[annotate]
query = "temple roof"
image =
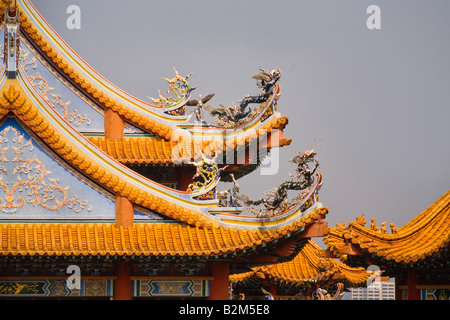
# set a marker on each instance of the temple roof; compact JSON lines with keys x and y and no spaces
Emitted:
{"x":309,"y":266}
{"x":101,"y":161}
{"x":425,"y":236}
{"x":156,"y":239}
{"x":156,"y":150}
{"x":110,"y":174}
{"x":148,"y":116}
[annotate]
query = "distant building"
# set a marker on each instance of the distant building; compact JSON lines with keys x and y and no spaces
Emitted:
{"x":382,"y":290}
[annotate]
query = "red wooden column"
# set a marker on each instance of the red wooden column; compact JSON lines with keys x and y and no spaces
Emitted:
{"x":185,"y":177}
{"x":413,"y":292}
{"x":114,"y":129}
{"x":273,"y":290}
{"x":123,"y":286}
{"x":124,"y":212}
{"x":114,"y":125}
{"x":218,"y":288}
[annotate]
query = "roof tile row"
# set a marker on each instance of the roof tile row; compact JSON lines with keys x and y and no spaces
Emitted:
{"x":309,"y":265}
{"x":423,"y":236}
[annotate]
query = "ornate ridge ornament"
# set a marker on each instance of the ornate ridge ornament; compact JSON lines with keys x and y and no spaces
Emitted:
{"x":209,"y":172}
{"x":233,"y":200}
{"x":180,"y":92}
{"x":12,"y":40}
{"x":236,"y":115}
{"x":266,"y":81}
{"x":322,"y":294}
{"x":276,"y":201}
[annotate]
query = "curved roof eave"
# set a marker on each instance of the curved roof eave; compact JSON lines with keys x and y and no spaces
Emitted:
{"x":20,"y":98}
{"x":308,"y":265}
{"x":133,"y":110}
{"x":422,"y":237}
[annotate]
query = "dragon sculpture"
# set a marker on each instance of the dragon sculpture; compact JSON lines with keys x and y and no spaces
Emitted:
{"x":322,"y":294}
{"x":200,"y":105}
{"x":233,"y":115}
{"x":266,"y":80}
{"x":276,"y":201}
{"x":208,"y":172}
{"x":179,"y":90}
{"x":233,"y":200}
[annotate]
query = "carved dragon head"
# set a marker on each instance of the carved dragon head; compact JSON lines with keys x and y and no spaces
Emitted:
{"x":304,"y":157}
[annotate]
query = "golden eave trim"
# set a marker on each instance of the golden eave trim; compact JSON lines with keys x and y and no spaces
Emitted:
{"x":422,"y":237}
{"x":89,"y":239}
{"x":13,"y":100}
{"x":98,"y":95}
{"x":131,"y":150}
{"x":304,"y":267}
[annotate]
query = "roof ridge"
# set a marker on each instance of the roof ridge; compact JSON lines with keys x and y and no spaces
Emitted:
{"x":13,"y":100}
{"x":423,"y":236}
{"x":108,"y":172}
{"x":430,"y":211}
{"x":86,"y":86}
{"x":424,"y":218}
{"x":87,"y":238}
{"x":151,"y":121}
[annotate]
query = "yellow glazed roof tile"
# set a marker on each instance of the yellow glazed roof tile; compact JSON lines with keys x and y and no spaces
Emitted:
{"x":309,"y":265}
{"x":157,"y":239}
{"x":149,"y":124}
{"x":14,"y":99}
{"x":423,"y":236}
{"x":155,"y":150}
{"x":141,"y":150}
{"x":71,"y":148}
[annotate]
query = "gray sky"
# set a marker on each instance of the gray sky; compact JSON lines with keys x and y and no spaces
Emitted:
{"x":375,"y":104}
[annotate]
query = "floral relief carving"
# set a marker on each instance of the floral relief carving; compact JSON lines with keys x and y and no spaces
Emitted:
{"x":26,"y":179}
{"x":41,"y":85}
{"x":24,"y":57}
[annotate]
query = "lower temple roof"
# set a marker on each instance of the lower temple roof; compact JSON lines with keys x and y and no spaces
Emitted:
{"x":155,"y":150}
{"x":310,"y":265}
{"x":425,"y":236}
{"x":156,"y":239}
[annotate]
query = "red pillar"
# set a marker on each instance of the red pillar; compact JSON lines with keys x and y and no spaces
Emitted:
{"x":114,"y":125}
{"x":123,"y":286}
{"x":114,"y":129}
{"x":124,"y":212}
{"x":413,"y":292}
{"x":218,"y":288}
{"x":185,"y":177}
{"x":273,"y":290}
